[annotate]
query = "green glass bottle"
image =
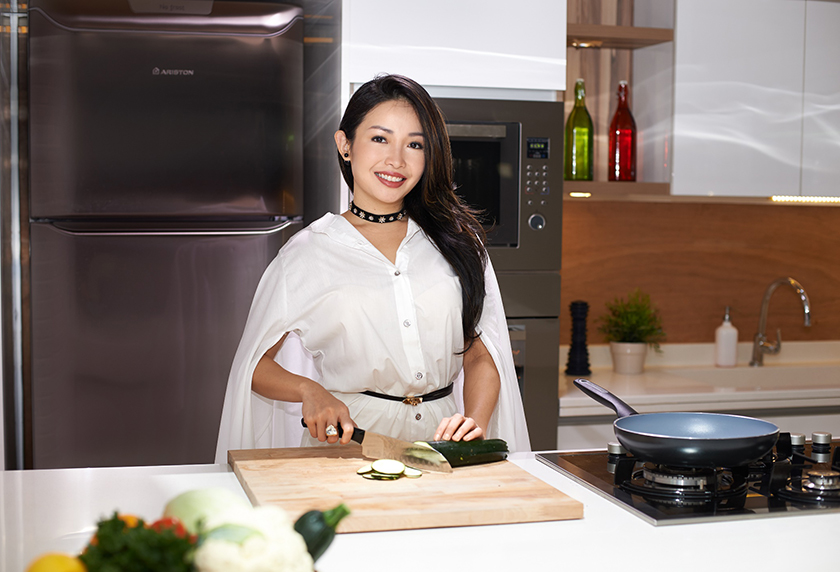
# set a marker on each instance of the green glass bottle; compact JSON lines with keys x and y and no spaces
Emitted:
{"x":579,"y":139}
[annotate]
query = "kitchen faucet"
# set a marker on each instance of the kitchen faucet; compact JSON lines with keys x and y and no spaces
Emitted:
{"x":760,"y":345}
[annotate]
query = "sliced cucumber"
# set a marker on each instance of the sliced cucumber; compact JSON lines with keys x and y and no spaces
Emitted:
{"x":388,"y":470}
{"x":388,"y":467}
{"x":373,"y":475}
{"x":412,"y":473}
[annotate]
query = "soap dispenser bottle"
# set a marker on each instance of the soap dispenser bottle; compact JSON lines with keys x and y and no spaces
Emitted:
{"x":726,"y":343}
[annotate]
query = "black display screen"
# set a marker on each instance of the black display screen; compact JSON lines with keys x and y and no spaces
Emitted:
{"x":537,"y":147}
{"x":477,"y":180}
{"x":485,"y":158}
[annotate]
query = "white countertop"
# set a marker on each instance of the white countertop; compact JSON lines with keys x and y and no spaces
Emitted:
{"x":682,"y":378}
{"x":56,"y":510}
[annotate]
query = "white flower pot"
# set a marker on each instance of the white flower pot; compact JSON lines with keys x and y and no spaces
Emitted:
{"x":628,"y":358}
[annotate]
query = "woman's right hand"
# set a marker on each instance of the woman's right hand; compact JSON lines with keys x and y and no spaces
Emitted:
{"x":321,"y":409}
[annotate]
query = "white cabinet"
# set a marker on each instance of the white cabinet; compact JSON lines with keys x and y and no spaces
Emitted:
{"x":821,"y":106}
{"x":756,"y":98}
{"x":475,"y":44}
{"x":738,"y":97}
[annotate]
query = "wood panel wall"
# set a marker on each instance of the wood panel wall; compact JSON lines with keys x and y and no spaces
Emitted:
{"x":695,"y":259}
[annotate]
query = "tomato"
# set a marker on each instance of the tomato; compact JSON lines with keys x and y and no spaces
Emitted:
{"x":170,"y":522}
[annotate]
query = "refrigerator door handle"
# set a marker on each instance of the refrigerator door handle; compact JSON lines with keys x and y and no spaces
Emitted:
{"x":81,"y":229}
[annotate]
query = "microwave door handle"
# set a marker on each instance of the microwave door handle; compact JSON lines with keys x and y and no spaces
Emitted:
{"x":263,"y":231}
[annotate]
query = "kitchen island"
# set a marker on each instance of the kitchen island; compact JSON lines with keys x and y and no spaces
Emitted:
{"x":55,"y":510}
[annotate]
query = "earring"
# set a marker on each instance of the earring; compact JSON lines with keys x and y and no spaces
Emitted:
{"x":346,"y":155}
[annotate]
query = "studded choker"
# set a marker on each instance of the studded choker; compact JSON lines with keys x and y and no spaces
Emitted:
{"x":363,"y":214}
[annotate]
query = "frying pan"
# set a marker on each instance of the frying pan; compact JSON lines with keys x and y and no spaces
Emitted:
{"x":686,"y":439}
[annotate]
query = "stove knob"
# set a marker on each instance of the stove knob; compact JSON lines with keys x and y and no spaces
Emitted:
{"x":821,"y":438}
{"x":797,"y":439}
{"x":616,"y":455}
{"x":614,"y":448}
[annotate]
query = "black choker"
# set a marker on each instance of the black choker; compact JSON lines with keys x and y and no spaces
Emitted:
{"x":363,"y":214}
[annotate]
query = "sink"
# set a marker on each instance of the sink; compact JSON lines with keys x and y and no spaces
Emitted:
{"x":768,"y":377}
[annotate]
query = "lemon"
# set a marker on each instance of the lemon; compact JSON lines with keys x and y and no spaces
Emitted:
{"x":55,"y":562}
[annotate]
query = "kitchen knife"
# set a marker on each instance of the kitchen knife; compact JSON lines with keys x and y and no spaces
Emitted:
{"x":376,"y":446}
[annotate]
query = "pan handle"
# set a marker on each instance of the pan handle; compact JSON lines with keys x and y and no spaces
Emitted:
{"x":604,"y":397}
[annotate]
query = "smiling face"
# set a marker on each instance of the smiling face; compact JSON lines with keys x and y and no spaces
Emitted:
{"x":386,"y":156}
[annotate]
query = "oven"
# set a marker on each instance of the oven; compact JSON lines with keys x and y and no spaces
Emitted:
{"x":508,"y":162}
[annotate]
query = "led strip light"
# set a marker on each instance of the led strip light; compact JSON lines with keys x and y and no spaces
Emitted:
{"x":801,"y":199}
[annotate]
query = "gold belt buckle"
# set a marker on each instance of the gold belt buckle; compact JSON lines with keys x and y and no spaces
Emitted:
{"x":413,"y":400}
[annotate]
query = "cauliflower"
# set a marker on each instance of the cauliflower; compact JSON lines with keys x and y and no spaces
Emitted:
{"x":248,"y":539}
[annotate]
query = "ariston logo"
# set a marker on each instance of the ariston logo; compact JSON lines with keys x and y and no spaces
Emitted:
{"x":158,"y":71}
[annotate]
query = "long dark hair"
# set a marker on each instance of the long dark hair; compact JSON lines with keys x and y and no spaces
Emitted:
{"x":451,"y":224}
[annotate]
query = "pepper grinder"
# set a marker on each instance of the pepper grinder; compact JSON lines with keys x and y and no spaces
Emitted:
{"x":578,"y":363}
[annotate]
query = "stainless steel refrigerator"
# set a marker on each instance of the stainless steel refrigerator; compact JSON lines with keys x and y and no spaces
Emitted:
{"x":164,"y":172}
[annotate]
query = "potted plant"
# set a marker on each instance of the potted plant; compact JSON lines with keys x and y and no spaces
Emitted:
{"x":631,"y":326}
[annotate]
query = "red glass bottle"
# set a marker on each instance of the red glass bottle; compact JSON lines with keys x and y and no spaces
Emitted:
{"x":622,"y":158}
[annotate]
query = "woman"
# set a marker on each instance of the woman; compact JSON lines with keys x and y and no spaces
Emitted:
{"x":388,"y":316}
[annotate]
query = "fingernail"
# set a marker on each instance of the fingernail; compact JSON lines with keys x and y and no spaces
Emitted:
{"x":446,"y":436}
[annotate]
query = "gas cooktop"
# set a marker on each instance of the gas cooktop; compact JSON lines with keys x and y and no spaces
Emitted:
{"x":796,"y":476}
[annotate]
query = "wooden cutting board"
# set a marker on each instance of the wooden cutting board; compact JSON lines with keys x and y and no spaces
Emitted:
{"x":303,"y":479}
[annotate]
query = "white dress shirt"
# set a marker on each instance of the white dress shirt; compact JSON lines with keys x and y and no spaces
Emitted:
{"x":358,"y":322}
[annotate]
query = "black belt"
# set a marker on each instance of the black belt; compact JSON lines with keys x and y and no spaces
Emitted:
{"x":413,"y":399}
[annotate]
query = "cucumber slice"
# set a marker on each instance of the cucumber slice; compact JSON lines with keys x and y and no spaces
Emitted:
{"x":366,"y":469}
{"x":412,"y":473}
{"x":388,"y":467}
{"x":373,"y":475}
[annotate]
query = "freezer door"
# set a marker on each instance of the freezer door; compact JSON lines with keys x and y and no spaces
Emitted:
{"x":140,"y":114}
{"x":133,"y":337}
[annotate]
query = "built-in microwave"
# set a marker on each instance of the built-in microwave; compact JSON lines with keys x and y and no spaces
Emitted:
{"x":508,"y":161}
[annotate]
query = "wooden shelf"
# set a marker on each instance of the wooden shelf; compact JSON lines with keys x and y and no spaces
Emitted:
{"x":615,"y":37}
{"x":615,"y":189}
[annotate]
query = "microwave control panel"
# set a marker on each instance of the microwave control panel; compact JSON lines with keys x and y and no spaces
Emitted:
{"x":537,"y":186}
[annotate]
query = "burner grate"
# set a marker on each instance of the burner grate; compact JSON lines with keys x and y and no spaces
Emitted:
{"x":721,"y":488}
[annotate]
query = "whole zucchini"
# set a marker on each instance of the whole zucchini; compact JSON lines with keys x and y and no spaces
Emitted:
{"x":462,"y":453}
{"x":318,"y":528}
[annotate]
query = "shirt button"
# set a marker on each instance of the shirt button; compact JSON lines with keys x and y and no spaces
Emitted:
{"x":418,"y":417}
{"x":396,"y":272}
{"x":407,"y":324}
{"x":418,"y":375}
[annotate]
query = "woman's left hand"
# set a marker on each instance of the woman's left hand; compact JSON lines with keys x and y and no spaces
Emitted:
{"x":458,"y":428}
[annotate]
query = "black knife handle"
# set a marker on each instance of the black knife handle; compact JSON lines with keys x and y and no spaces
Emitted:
{"x":358,"y":434}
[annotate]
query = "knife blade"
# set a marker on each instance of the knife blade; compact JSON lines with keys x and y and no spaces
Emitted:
{"x":376,"y":446}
